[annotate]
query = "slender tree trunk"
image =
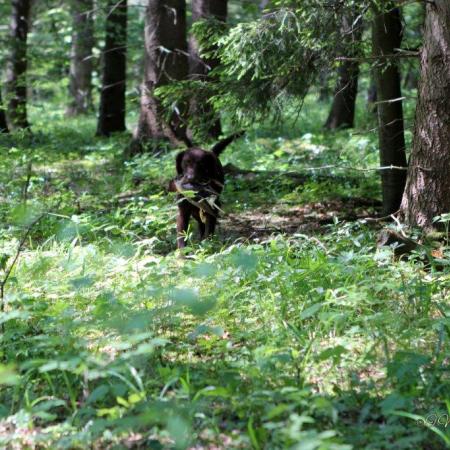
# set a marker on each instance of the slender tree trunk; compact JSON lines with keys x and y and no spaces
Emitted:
{"x":342,"y":113}
{"x":165,"y":61}
{"x":263,"y":4}
{"x":324,"y":89}
{"x":411,"y":79}
{"x":386,"y":38}
{"x":372,"y":96}
{"x":112,"y":99}
{"x":200,"y":67}
{"x":80,"y":77}
{"x":3,"y":125}
{"x":16,"y":73}
{"x":427,"y":193}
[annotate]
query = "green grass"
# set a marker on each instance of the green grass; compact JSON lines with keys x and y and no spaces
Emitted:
{"x":298,"y":338}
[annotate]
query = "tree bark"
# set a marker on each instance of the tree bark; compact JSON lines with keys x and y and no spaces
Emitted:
{"x":411,"y":79}
{"x":324,"y":89}
{"x":112,"y":98}
{"x":165,"y":61}
{"x":16,"y":73}
{"x":263,"y":4}
{"x":342,"y":113}
{"x":80,"y":77}
{"x":427,"y":193}
{"x":386,"y":38}
{"x":200,"y":67}
{"x":3,"y":125}
{"x":372,"y":96}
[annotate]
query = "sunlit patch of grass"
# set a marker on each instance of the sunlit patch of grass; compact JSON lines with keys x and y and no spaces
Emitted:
{"x":293,"y":316}
{"x":110,"y":338}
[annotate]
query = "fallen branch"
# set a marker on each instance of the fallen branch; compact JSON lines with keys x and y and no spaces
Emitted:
{"x":402,"y":244}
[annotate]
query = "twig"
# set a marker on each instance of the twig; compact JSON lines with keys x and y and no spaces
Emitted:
{"x":27,"y":181}
{"x":404,"y":54}
{"x":379,"y":219}
{"x":391,"y":100}
{"x":358,"y":169}
{"x":13,"y":263}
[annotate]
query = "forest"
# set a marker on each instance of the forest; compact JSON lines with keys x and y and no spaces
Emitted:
{"x":224,"y":224}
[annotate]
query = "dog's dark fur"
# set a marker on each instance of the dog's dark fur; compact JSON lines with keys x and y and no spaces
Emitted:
{"x":200,"y":171}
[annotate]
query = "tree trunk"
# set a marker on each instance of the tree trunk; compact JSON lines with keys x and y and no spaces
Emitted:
{"x":411,"y":79}
{"x":112,"y":98}
{"x":342,"y":113}
{"x":427,"y":192}
{"x":200,"y":67}
{"x":386,"y":38}
{"x":263,"y":4}
{"x":324,"y":89}
{"x":3,"y":125}
{"x":165,"y":61}
{"x":16,"y":73}
{"x":372,"y":96}
{"x":80,"y":77}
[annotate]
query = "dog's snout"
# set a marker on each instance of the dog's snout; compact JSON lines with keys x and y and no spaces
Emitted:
{"x":189,"y":179}
{"x":189,"y":176}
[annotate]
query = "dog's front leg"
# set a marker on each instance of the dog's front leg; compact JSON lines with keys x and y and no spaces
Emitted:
{"x":184,"y":214}
{"x":210,"y":225}
{"x":201,"y":225}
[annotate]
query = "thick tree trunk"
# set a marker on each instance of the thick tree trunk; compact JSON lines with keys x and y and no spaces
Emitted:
{"x":342,"y":113}
{"x":165,"y":61}
{"x":386,"y":38}
{"x":112,"y":98}
{"x":16,"y":73}
{"x":80,"y":77}
{"x":3,"y":125}
{"x":200,"y":67}
{"x":427,"y":192}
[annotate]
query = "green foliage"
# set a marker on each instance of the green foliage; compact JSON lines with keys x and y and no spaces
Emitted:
{"x":265,"y":62}
{"x":272,"y":61}
{"x":258,"y":65}
{"x":299,"y":340}
{"x":289,"y":329}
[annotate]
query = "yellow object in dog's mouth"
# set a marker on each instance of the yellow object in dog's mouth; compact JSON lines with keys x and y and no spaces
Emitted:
{"x":206,"y":204}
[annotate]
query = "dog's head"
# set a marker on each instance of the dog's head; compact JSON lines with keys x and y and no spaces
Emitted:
{"x":197,"y":167}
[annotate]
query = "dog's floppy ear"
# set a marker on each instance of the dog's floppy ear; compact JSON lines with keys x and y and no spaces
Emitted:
{"x":221,"y":145}
{"x":171,"y":187}
{"x":178,"y":161}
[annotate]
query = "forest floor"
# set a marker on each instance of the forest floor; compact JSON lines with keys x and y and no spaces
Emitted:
{"x":265,"y":222}
{"x":289,"y":329}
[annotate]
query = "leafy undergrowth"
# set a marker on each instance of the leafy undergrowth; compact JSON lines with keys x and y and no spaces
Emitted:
{"x":290,"y":329}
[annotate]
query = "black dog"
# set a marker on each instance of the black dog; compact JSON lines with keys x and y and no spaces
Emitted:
{"x":199,"y":183}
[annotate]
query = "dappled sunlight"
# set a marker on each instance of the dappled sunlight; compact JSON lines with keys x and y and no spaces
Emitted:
{"x":313,"y":317}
